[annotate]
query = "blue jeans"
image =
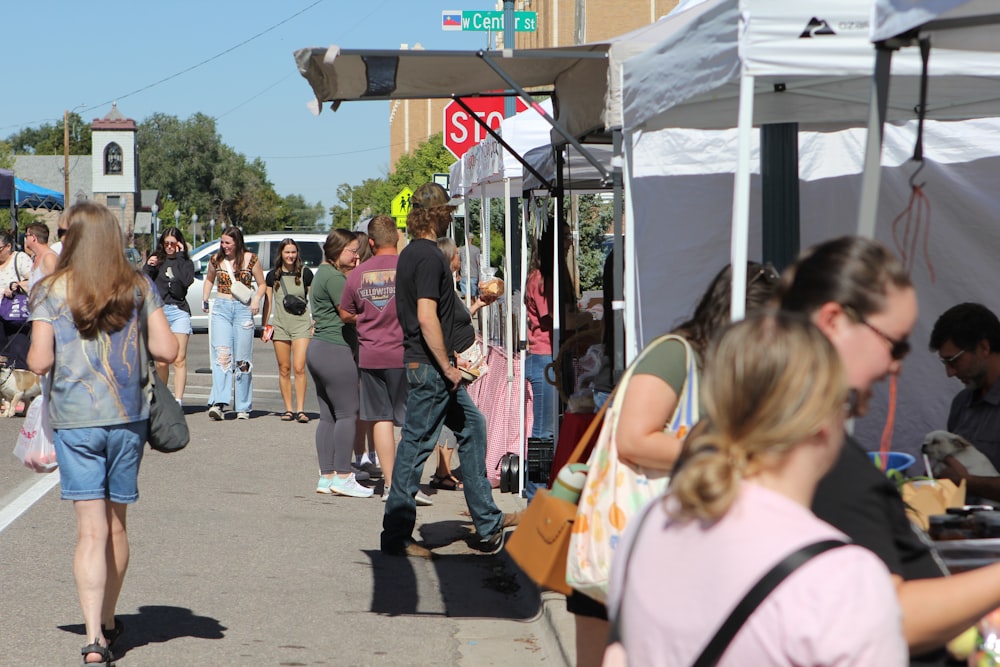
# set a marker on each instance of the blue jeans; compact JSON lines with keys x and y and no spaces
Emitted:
{"x":232,"y":338}
{"x":101,"y":461}
{"x":543,"y":396}
{"x":430,"y":405}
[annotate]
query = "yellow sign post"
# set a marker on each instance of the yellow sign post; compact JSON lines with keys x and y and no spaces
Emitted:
{"x":400,"y":207}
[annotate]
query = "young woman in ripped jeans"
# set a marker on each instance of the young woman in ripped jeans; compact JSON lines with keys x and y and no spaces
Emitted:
{"x":231,"y":323}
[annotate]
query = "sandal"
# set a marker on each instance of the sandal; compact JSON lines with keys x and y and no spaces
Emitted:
{"x":302,"y":418}
{"x":445,"y":483}
{"x":112,"y":634}
{"x":287,"y":416}
{"x":106,"y":657}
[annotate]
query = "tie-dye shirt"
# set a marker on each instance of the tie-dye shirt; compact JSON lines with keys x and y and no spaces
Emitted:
{"x":97,"y":382}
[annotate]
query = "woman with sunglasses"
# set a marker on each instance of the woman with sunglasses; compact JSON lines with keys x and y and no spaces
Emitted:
{"x":172,"y":272}
{"x":860,"y":296}
{"x":774,"y":397}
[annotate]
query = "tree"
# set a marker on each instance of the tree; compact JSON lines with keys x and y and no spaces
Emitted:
{"x":596,"y":218}
{"x":305,"y":217}
{"x":48,"y":139}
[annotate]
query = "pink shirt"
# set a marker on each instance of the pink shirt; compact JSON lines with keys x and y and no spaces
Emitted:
{"x":840,"y":608}
{"x":538,"y":305}
{"x":370,"y":293}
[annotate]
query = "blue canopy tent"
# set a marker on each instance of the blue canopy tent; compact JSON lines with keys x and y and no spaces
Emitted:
{"x":29,"y":195}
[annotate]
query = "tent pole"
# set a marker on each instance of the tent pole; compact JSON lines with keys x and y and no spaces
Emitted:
{"x":741,"y":200}
{"x":618,"y":299}
{"x":633,"y":323}
{"x":872,"y":172}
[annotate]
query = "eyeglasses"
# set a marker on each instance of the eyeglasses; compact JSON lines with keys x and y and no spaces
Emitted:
{"x":897,"y":348}
{"x":353,"y":251}
{"x":851,"y":402}
{"x":950,"y":361}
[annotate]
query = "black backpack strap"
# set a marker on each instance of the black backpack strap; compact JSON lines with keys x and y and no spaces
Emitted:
{"x":720,"y":642}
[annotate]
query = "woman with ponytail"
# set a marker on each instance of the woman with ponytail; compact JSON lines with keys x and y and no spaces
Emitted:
{"x":774,"y":397}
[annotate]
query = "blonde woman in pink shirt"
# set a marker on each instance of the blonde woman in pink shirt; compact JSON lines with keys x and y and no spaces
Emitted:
{"x":774,"y":398}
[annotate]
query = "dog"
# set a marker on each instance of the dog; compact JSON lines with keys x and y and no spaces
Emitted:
{"x":939,"y":445}
{"x":18,"y":385}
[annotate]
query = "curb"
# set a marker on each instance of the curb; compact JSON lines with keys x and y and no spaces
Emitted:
{"x":558,"y":626}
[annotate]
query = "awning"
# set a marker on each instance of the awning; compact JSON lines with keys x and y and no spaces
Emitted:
{"x":30,"y":195}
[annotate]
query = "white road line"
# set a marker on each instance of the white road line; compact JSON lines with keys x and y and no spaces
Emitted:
{"x":23,"y":502}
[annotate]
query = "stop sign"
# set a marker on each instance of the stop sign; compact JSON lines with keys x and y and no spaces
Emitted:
{"x":462,"y":132}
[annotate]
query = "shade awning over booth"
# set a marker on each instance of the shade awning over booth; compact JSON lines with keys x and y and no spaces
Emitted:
{"x":811,"y":62}
{"x":30,"y":195}
{"x":951,"y":24}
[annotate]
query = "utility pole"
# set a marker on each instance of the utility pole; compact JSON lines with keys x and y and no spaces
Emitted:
{"x":508,"y":43}
{"x":66,"y":159}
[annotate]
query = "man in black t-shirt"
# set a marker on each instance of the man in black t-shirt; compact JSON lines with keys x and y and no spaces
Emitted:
{"x":425,"y":306}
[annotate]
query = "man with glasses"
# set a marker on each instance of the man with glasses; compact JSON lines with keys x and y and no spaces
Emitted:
{"x":967,"y":340}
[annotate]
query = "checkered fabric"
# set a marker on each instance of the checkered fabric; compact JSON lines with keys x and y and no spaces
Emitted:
{"x":497,"y":399}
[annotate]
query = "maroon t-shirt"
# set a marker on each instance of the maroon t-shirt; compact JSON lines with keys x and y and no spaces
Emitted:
{"x":370,"y":293}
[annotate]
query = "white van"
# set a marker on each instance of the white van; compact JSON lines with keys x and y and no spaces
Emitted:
{"x":265,"y":246}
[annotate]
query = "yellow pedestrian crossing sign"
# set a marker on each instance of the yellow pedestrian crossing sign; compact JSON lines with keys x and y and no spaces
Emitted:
{"x":400,"y":207}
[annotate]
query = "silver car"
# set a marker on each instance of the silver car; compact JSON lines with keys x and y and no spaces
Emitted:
{"x":265,"y":246}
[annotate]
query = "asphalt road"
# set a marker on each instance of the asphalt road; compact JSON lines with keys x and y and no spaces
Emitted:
{"x":237,"y":561}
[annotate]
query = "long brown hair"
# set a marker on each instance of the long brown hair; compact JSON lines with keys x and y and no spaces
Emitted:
{"x":238,"y":251}
{"x":280,"y":261}
{"x":100,"y":283}
{"x":336,"y":241}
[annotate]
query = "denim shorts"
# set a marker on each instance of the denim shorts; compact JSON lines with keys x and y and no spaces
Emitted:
{"x":179,"y":320}
{"x":101,"y":462}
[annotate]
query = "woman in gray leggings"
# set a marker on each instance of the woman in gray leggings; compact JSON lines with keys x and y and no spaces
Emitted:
{"x":335,"y":375}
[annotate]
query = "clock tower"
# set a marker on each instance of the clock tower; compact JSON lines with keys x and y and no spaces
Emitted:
{"x":115,"y":167}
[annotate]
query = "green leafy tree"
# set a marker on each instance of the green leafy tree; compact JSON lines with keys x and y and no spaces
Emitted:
{"x":596,"y":219}
{"x":48,"y":138}
{"x":305,"y":217}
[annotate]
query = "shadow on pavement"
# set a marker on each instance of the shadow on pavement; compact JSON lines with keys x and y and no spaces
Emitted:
{"x":469,"y":584}
{"x":155,"y":624}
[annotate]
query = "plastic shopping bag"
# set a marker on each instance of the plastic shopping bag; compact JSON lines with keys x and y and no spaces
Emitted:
{"x":36,"y":442}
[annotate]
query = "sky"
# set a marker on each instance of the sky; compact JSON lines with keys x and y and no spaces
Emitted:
{"x":229,"y":59}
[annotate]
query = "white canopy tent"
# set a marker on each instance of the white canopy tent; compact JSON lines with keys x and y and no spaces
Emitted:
{"x":740,"y":63}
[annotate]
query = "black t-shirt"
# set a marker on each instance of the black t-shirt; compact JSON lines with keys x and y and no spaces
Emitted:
{"x":856,"y":498}
{"x":423,"y":273}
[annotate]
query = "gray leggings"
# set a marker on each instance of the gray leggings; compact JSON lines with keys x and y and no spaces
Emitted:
{"x":336,"y":380}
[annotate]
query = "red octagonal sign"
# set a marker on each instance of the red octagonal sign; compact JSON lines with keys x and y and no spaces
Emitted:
{"x":462,"y":132}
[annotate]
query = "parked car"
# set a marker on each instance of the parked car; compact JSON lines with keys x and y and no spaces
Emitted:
{"x":266,"y":247}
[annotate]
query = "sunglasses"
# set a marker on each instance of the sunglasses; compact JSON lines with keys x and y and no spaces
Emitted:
{"x":898,"y":349}
{"x":171,"y":244}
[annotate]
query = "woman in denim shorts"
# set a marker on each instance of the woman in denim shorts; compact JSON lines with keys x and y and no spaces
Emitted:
{"x":88,"y":338}
{"x":172,"y":272}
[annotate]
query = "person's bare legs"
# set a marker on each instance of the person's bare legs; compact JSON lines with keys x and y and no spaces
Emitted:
{"x":444,"y":462}
{"x":180,"y":366}
{"x":90,"y":565}
{"x":283,"y":354}
{"x":117,"y":560}
{"x":299,"y":346}
{"x":384,"y":436}
{"x":360,"y":436}
{"x":591,"y":636}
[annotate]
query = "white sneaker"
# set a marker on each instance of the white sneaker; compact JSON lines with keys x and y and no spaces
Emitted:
{"x":385,"y":494}
{"x":348,"y":486}
{"x":243,"y":415}
{"x":423,"y":500}
{"x":180,"y":402}
{"x":215,"y":413}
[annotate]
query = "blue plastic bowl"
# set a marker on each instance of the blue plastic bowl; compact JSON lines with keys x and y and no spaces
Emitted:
{"x":897,"y":460}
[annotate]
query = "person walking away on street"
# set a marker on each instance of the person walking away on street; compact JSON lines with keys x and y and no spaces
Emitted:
{"x":172,"y":271}
{"x":86,"y":320}
{"x":231,"y":323}
{"x":647,"y":405}
{"x":289,"y":282}
{"x":43,"y":259}
{"x":774,"y":401}
{"x":425,"y":304}
{"x":333,"y":369}
{"x":369,"y":301}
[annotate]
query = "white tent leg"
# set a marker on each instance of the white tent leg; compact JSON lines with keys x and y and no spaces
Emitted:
{"x":741,"y":200}
{"x":872,"y":170}
{"x":633,"y":324}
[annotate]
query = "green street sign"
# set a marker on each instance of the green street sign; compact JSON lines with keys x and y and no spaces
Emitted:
{"x":483,"y":21}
